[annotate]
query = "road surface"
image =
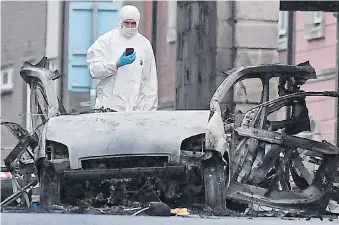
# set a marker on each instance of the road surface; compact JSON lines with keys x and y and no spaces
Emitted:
{"x":81,"y":219}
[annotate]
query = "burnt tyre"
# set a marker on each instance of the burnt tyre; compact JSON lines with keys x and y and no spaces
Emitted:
{"x":215,"y":183}
{"x":49,"y":181}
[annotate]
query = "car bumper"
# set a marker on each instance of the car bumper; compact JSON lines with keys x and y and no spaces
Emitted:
{"x":170,"y":172}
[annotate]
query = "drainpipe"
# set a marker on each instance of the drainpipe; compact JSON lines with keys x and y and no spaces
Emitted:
{"x":93,"y":82}
{"x":290,"y":51}
{"x":61,"y":52}
{"x":154,"y":26}
{"x":337,"y":82}
{"x":230,"y":97}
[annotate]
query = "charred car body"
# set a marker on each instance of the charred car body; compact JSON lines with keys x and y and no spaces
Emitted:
{"x":266,"y":155}
{"x":177,"y":156}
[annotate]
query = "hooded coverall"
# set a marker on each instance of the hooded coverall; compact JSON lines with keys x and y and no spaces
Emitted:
{"x":130,"y":87}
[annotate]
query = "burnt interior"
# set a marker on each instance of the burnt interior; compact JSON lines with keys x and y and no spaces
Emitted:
{"x":195,"y":143}
{"x":132,"y":161}
{"x":269,"y":165}
{"x":56,"y":150}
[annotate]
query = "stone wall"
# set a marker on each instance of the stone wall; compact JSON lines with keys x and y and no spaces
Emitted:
{"x":256,"y":42}
{"x":196,"y":53}
{"x":217,"y":36}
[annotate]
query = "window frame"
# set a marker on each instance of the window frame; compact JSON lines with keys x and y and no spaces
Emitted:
{"x":8,"y":87}
{"x":282,"y":33}
{"x":314,"y":25}
{"x":283,"y":20}
{"x":319,"y":18}
{"x":171,"y":21}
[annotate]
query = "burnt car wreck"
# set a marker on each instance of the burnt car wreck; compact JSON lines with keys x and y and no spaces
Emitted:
{"x":178,"y":157}
{"x":265,"y":155}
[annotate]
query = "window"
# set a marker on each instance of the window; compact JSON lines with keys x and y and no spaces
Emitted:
{"x":283,"y":18}
{"x":171,"y":21}
{"x":317,"y":17}
{"x":6,"y":79}
{"x":314,"y":25}
{"x":247,"y":93}
{"x":282,"y":24}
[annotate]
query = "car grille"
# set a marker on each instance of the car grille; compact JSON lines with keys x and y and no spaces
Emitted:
{"x":124,"y":162}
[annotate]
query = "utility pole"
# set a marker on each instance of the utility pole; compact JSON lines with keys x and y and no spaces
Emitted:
{"x":154,"y":26}
{"x":290,"y":51}
{"x":337,"y":80}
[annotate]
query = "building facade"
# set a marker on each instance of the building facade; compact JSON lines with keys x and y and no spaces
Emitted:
{"x":315,"y":39}
{"x":44,"y":30}
{"x":23,"y":38}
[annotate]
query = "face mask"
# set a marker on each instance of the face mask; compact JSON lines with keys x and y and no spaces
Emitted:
{"x":128,"y":32}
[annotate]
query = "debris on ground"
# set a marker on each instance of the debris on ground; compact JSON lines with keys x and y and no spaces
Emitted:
{"x":180,"y":211}
{"x":333,"y":207}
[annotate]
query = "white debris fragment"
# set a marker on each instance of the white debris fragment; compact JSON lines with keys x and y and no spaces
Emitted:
{"x":215,"y":133}
{"x":332,"y":207}
{"x":259,"y":208}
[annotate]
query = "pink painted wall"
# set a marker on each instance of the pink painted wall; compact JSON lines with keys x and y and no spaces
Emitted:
{"x":322,"y":55}
{"x":322,"y":108}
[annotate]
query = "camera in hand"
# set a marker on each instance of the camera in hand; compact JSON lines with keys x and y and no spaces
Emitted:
{"x":129,"y":51}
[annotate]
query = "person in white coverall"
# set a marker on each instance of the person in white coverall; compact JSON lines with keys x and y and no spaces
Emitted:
{"x":127,"y":83}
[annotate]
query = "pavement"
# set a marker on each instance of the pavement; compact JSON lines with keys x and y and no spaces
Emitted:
{"x":82,"y":219}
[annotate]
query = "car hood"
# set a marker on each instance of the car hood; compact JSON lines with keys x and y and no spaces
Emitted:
{"x":118,"y":133}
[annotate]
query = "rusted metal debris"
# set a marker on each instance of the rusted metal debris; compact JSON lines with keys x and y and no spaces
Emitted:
{"x":103,"y":159}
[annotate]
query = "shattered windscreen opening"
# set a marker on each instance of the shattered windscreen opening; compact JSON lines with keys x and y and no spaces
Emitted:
{"x":247,"y":93}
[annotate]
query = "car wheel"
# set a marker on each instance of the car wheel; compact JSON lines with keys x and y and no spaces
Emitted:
{"x":215,"y":182}
{"x":49,"y":185}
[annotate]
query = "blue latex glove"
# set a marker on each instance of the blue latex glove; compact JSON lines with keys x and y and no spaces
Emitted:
{"x":124,"y":60}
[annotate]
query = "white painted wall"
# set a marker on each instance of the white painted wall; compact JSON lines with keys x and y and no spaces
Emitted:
{"x":52,"y":51}
{"x":53,"y":28}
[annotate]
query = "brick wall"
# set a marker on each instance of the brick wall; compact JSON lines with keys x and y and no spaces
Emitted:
{"x":23,"y":34}
{"x":165,"y":52}
{"x":165,"y":55}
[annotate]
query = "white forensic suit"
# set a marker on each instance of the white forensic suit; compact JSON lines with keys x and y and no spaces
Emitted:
{"x":132,"y":87}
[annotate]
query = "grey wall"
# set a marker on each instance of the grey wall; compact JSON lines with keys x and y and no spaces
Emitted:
{"x":256,"y":42}
{"x":196,"y":53}
{"x":23,"y":34}
{"x":216,"y":36}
